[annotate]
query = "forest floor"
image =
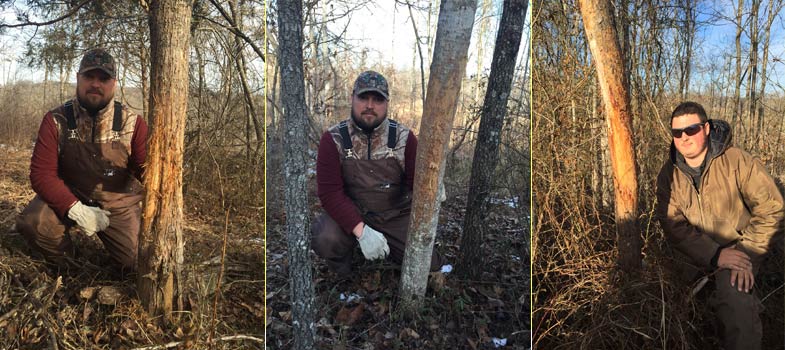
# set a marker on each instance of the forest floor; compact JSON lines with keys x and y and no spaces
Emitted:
{"x":584,"y":300}
{"x":360,"y":313}
{"x":92,"y":306}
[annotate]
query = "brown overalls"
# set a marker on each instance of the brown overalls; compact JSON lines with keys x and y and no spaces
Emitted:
{"x":96,"y":171}
{"x":376,"y":187}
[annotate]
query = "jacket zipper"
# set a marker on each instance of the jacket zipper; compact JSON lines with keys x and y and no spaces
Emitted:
{"x":700,"y":186}
{"x":697,"y":190}
{"x":93,"y":131}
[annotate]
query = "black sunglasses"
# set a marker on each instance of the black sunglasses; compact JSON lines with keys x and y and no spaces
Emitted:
{"x":689,"y":130}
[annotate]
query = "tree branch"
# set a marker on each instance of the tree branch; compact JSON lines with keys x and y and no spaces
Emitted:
{"x":233,"y":28}
{"x":70,"y":13}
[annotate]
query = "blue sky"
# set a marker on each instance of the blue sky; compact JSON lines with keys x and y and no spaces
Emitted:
{"x":716,"y":40}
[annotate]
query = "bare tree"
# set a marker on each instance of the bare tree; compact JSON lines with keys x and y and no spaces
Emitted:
{"x":296,"y":192}
{"x":453,"y":32}
{"x":486,"y":153}
{"x":161,"y":242}
{"x":601,"y":33}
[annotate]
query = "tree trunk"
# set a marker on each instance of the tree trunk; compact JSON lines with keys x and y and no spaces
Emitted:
{"x":161,"y":242}
{"x":775,"y":6}
{"x":486,"y":153}
{"x":752,"y":82}
{"x":448,"y":67}
{"x":144,"y":65}
{"x":600,"y":31}
{"x":296,"y":194}
{"x":736,"y":119}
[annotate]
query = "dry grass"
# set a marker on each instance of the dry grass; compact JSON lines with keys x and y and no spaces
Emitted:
{"x":583,"y":301}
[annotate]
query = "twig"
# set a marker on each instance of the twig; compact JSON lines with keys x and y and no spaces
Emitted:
{"x":772,"y":292}
{"x":58,"y":19}
{"x":226,"y":338}
{"x":220,"y":277}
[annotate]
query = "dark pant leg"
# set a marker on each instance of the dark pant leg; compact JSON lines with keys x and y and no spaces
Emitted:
{"x":396,"y":231}
{"x":333,"y":244}
{"x":121,"y":238}
{"x":738,"y":314}
{"x":44,"y":231}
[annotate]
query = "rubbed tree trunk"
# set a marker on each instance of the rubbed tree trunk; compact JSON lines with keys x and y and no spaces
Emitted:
{"x":161,"y":240}
{"x":598,"y":23}
{"x":454,"y":29}
{"x":486,"y":153}
{"x":296,"y":195}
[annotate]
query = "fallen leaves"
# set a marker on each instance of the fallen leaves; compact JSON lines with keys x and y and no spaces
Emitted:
{"x":349,"y":315}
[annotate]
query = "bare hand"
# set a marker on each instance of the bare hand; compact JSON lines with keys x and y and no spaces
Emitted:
{"x":742,"y":280}
{"x":733,"y":259}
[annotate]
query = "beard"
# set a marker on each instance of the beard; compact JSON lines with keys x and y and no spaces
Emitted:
{"x":367,"y":126}
{"x":94,"y":103}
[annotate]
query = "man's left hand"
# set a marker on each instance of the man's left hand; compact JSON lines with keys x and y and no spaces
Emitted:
{"x":742,"y":279}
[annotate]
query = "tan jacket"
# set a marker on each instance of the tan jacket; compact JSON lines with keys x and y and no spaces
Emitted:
{"x":736,"y":201}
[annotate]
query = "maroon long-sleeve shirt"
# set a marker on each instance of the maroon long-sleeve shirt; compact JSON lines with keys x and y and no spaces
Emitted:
{"x":329,"y":181}
{"x":44,"y":176}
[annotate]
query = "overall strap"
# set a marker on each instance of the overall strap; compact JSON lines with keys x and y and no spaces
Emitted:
{"x":70,"y":119}
{"x":346,"y":140}
{"x":117,"y":121}
{"x":392,"y":137}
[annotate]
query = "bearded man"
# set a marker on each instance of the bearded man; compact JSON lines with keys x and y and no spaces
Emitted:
{"x":364,"y":175}
{"x":86,"y":170}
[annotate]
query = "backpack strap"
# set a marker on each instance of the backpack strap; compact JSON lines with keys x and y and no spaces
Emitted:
{"x":346,"y":140}
{"x":70,"y":119}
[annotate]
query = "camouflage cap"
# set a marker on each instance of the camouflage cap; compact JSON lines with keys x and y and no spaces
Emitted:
{"x":371,"y":81}
{"x":98,"y":59}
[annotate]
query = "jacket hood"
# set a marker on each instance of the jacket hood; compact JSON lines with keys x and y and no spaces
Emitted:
{"x":720,"y":138}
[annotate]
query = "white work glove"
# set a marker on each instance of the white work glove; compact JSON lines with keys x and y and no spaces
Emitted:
{"x":90,"y":219}
{"x":373,"y":244}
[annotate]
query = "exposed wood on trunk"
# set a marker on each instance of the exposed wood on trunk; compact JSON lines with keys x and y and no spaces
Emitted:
{"x":454,"y":28}
{"x":161,"y":241}
{"x":601,"y":33}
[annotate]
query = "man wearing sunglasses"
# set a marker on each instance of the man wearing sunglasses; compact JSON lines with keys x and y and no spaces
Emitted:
{"x":719,"y":206}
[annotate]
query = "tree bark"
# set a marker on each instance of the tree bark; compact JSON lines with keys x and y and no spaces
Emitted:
{"x":161,"y":242}
{"x":448,"y":67}
{"x":296,"y":194}
{"x":736,"y":119}
{"x":601,"y":33}
{"x":775,"y":6}
{"x":752,"y":82}
{"x":486,"y":152}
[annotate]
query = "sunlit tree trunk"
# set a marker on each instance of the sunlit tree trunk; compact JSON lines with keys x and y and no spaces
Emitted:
{"x":598,"y":22}
{"x":736,"y":120}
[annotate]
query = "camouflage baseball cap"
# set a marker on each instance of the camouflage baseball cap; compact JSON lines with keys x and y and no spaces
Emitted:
{"x":98,"y":59}
{"x":371,"y":81}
